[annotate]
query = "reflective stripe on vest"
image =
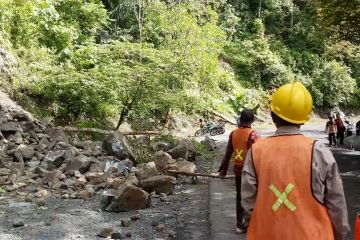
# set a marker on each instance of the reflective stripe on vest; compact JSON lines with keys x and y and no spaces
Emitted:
{"x":282,"y":197}
{"x":285,"y":207}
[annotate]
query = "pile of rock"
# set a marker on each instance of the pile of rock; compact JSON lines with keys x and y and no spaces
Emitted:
{"x":36,"y":161}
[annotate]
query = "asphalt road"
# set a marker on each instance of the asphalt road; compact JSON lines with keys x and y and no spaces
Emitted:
{"x":222,"y":192}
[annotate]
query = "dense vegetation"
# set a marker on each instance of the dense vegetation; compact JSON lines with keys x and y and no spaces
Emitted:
{"x":140,"y":60}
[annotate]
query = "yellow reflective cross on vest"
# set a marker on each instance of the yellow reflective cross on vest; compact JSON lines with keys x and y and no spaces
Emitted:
{"x":238,"y":156}
{"x":282,"y":197}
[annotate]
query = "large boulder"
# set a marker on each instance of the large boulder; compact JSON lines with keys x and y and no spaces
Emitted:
{"x":162,"y":160}
{"x":127,"y":198}
{"x":117,"y":145}
{"x":185,"y":149}
{"x":159,"y":184}
{"x":352,"y":142}
{"x":183,"y":166}
{"x":209,"y":144}
{"x":144,"y":171}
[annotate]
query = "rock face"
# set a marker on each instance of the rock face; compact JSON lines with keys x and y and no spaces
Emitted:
{"x":127,"y":198}
{"x":117,"y":145}
{"x":159,"y":184}
{"x":352,"y":142}
{"x":162,"y":160}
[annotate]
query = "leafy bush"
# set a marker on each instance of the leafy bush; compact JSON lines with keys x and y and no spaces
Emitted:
{"x":335,"y":85}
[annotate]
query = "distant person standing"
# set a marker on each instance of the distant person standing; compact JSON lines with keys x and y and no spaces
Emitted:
{"x":340,"y":128}
{"x":331,"y":130}
{"x":358,"y":128}
{"x":240,"y":140}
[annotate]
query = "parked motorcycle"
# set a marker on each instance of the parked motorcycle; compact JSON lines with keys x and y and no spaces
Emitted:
{"x":218,"y":130}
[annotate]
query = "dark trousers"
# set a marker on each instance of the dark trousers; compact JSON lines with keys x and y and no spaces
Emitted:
{"x":332,"y":139}
{"x":239,"y":211}
{"x":340,"y":136}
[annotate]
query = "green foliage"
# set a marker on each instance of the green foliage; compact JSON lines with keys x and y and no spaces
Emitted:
{"x":340,"y":18}
{"x":203,"y":151}
{"x":247,"y":98}
{"x":257,"y":65}
{"x":334,"y":84}
{"x":139,"y":60}
{"x":55,"y":24}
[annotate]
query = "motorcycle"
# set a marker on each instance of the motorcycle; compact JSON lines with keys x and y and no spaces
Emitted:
{"x":218,"y":130}
{"x":349,"y":129}
{"x":212,"y":129}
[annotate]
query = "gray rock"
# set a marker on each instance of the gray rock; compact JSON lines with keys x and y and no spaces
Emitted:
{"x":117,"y":167}
{"x":57,"y":135}
{"x":144,"y":171}
{"x":43,"y":144}
{"x":18,"y":224}
{"x":160,"y":146}
{"x":26,"y":151}
{"x":95,"y":178}
{"x":80,"y":163}
{"x":125,"y":223}
{"x":352,"y":142}
{"x":129,"y":197}
{"x":162,"y":160}
{"x":10,"y":127}
{"x":117,"y":145}
{"x":4,"y":171}
{"x":180,"y":151}
{"x":191,"y":148}
{"x":117,"y":235}
{"x":106,"y":232}
{"x":183,"y":165}
{"x":55,"y":158}
{"x":209,"y":144}
{"x":159,"y":184}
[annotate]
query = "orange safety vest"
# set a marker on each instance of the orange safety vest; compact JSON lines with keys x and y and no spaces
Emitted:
{"x":285,"y":207}
{"x":240,"y":138}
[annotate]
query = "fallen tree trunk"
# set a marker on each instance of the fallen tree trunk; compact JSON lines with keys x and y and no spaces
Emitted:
{"x":212,"y":175}
{"x":107,"y":132}
{"x":226,"y":119}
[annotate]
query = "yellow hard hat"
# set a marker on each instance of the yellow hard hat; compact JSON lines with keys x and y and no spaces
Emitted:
{"x":292,"y":102}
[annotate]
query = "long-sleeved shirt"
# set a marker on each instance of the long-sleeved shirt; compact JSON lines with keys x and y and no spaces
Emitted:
{"x":326,"y":185}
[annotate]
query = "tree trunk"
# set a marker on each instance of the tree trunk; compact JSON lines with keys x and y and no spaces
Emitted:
{"x":292,"y":15}
{"x":123,"y":114}
{"x":260,"y":3}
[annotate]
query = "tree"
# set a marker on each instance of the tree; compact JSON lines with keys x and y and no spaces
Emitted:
{"x":335,"y":84}
{"x":341,"y":18}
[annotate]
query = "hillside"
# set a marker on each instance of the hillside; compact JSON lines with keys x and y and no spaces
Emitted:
{"x":103,"y":63}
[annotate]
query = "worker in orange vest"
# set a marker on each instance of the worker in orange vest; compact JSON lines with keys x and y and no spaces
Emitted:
{"x":240,"y":140}
{"x":291,"y":187}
